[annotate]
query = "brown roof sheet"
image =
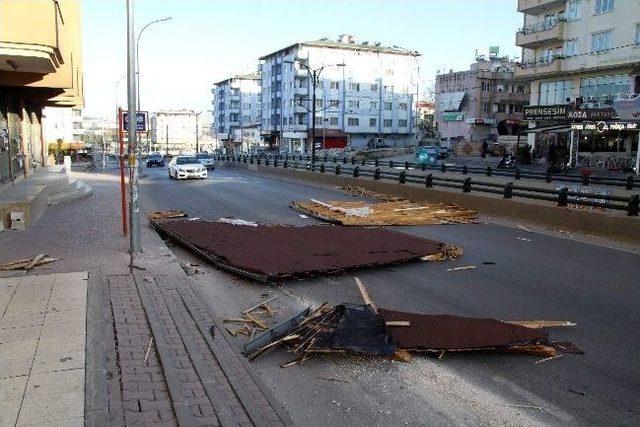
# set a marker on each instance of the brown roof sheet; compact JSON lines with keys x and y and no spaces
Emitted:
{"x":270,"y":252}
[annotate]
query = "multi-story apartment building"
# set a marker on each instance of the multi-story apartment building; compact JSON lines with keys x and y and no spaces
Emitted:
{"x":580,"y":55}
{"x":365,"y":95}
{"x":174,"y":131}
{"x":236,"y":111}
{"x":484,"y":103}
{"x":40,"y":65}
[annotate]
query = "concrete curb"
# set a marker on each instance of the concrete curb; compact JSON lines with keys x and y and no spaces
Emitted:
{"x":611,"y":226}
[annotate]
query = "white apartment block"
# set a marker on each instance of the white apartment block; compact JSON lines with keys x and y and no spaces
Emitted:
{"x":63,"y":123}
{"x":174,"y":131}
{"x":584,"y":50}
{"x":366,"y":94}
{"x":236,"y":111}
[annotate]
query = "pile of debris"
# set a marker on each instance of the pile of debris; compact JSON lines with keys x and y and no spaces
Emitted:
{"x":386,"y":213}
{"x":252,"y":319}
{"x":172,"y":213}
{"x":27,"y":263}
{"x":365,"y":329}
{"x":268,"y":253}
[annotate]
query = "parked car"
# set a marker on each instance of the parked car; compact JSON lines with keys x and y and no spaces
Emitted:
{"x":207,"y":160}
{"x":428,"y":155}
{"x":184,"y":167}
{"x":155,"y":160}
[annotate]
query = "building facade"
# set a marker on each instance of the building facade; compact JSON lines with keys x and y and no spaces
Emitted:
{"x":174,"y":131}
{"x":236,"y":112}
{"x":40,"y":65}
{"x":484,"y":103}
{"x":583,"y":55}
{"x":365,"y":95}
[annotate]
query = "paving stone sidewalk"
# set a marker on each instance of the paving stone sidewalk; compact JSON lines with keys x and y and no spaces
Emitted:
{"x":154,"y":355}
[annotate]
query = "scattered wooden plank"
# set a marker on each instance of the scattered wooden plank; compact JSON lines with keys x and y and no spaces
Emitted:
{"x":402,"y":356}
{"x":258,"y":305}
{"x":34,"y":261}
{"x":466,"y":267}
{"x":533,"y":350}
{"x":398,"y":323}
{"x":365,"y":294}
{"x":258,"y":322}
{"x":237,"y":321}
{"x":546,"y":359}
{"x":540,"y":324}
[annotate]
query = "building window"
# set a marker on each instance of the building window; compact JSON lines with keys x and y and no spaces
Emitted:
{"x":403,"y":106}
{"x":520,"y":88}
{"x":353,"y":121}
{"x":602,"y":41}
{"x":388,"y":106}
{"x":486,"y":107}
{"x":373,"y":105}
{"x":604,"y":89}
{"x":246,"y":105}
{"x":374,"y":88}
{"x":572,"y":12}
{"x":552,"y":93}
{"x":387,"y":123}
{"x":571,"y":47}
{"x":388,"y":72}
{"x":486,"y":86}
{"x":318,"y":120}
{"x":604,"y":6}
{"x":246,"y":119}
{"x":354,"y":87}
{"x":333,"y":121}
{"x":334,"y":103}
{"x":334,"y":85}
{"x":354,"y":104}
{"x":518,"y":108}
{"x":638,"y":35}
{"x":388,"y":88}
{"x":319,"y":103}
{"x":402,"y":123}
{"x":373,"y":122}
{"x":501,"y":108}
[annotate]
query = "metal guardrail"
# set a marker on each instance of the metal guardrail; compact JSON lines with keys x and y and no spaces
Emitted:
{"x":562,"y":196}
{"x":628,"y":182}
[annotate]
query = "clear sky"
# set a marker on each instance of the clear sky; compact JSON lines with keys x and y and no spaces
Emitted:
{"x":208,"y":40}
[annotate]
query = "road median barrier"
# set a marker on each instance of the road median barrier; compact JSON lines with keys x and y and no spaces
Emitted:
{"x":603,"y":215}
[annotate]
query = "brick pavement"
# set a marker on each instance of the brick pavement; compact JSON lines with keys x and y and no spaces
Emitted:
{"x":189,"y":377}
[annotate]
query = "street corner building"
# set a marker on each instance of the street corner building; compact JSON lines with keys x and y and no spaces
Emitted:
{"x":40,"y":65}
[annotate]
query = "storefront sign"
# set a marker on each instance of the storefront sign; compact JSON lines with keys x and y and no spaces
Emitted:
{"x":545,"y":112}
{"x":452,"y":116}
{"x":628,"y":109}
{"x":593,"y":114}
{"x":605,"y":126}
{"x":481,"y":121}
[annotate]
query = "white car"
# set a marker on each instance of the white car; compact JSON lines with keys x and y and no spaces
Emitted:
{"x":207,"y":160}
{"x":184,"y":167}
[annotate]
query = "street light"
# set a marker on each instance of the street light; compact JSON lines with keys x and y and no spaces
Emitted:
{"x":155,"y":21}
{"x":315,"y":75}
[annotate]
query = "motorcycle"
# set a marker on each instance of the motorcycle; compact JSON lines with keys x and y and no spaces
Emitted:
{"x":507,"y":161}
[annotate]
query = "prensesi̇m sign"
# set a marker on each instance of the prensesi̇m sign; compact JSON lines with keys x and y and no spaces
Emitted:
{"x":545,"y":112}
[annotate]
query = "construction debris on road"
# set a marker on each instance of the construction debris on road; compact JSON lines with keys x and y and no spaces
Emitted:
{"x":365,"y":329}
{"x":267,"y":253}
{"x":173,"y":213}
{"x":384,"y":213}
{"x":27,"y":263}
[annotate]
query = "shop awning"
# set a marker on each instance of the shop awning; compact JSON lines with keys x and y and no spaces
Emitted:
{"x":450,"y":101}
{"x":330,"y":133}
{"x":553,"y":128}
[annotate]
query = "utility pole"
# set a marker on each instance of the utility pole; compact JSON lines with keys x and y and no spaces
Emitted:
{"x":167,"y":139}
{"x":134,"y":207}
{"x":197,"y":140}
{"x":313,"y":118}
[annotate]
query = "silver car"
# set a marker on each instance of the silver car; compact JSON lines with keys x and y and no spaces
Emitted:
{"x":207,"y":160}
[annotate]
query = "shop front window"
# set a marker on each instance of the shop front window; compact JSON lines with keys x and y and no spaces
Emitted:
{"x":601,"y":91}
{"x":609,"y":142}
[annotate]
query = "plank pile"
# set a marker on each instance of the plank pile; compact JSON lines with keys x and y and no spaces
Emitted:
{"x":172,"y":213}
{"x":385,"y":213}
{"x":27,"y":263}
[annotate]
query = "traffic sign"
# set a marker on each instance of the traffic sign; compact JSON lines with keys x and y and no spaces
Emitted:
{"x":141,"y":120}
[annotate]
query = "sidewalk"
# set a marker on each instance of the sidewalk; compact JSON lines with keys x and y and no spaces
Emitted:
{"x":154,"y":355}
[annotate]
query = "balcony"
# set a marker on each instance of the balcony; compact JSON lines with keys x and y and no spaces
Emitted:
{"x":535,"y":7}
{"x":299,"y":109}
{"x":30,"y":42}
{"x":534,"y":70}
{"x":540,"y":35}
{"x":302,"y":91}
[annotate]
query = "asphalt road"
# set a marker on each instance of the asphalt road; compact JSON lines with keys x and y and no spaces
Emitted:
{"x":535,"y":276}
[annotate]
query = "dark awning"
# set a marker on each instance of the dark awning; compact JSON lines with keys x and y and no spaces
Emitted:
{"x":552,"y":128}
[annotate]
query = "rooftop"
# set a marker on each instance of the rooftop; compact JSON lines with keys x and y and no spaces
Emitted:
{"x":249,"y":76}
{"x":349,"y":43}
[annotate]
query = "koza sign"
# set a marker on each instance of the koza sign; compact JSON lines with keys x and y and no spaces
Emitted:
{"x":141,"y":120}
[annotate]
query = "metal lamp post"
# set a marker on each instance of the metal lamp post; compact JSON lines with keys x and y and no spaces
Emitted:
{"x":315,"y":75}
{"x":135,"y":245}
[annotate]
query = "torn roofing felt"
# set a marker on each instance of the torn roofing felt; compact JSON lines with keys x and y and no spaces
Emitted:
{"x":271,"y":252}
{"x":445,"y":332}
